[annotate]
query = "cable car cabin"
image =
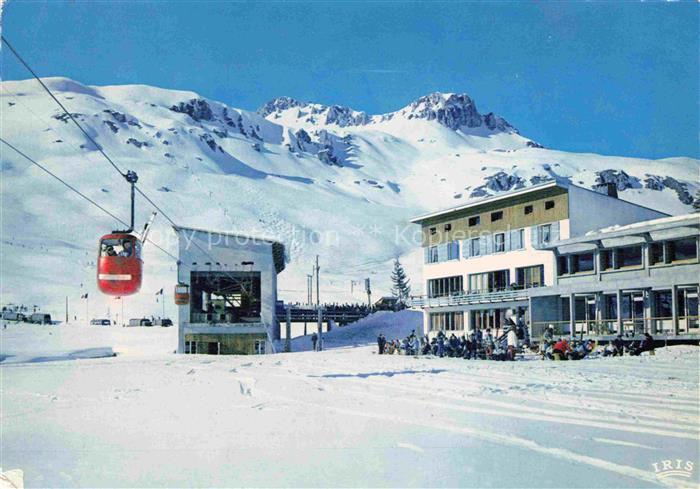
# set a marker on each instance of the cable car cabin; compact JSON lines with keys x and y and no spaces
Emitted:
{"x":182,"y":294}
{"x":119,"y":265}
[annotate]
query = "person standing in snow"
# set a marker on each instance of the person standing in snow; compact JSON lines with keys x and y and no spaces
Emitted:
{"x":416,"y":345}
{"x":380,"y":344}
{"x":441,"y":344}
{"x":512,"y":335}
{"x":314,"y":339}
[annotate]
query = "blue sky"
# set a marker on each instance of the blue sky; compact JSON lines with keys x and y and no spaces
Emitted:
{"x":617,"y":79}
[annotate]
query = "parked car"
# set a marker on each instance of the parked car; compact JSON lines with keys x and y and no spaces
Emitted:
{"x":13,"y":316}
{"x":140,"y":322}
{"x":101,"y":322}
{"x":164,"y":322}
{"x":40,"y":318}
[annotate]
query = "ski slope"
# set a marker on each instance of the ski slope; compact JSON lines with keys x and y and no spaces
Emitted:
{"x":323,"y":180}
{"x":339,"y":418}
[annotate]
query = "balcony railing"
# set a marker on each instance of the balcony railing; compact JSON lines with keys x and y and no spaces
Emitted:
{"x":687,"y":325}
{"x":467,"y":298}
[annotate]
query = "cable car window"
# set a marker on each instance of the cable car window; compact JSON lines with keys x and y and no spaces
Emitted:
{"x":118,"y":247}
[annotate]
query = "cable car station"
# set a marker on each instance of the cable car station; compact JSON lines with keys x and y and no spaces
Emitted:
{"x":226,"y":292}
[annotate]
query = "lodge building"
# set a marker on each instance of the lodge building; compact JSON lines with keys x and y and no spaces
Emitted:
{"x":634,"y":279}
{"x":486,"y":256}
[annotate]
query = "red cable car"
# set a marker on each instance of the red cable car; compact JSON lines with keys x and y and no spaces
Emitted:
{"x":182,"y":294}
{"x":119,"y":264}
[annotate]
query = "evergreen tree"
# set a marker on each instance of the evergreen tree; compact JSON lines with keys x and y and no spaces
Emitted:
{"x":401,"y":287}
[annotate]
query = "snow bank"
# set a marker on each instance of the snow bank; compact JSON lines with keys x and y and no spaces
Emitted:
{"x":365,"y":331}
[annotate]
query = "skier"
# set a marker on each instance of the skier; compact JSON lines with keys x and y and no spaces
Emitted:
{"x":512,"y":335}
{"x":547,"y":339}
{"x":314,"y":339}
{"x":441,"y":344}
{"x":416,"y":345}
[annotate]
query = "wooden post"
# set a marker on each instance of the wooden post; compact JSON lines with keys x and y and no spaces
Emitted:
{"x":572,"y":316}
{"x":674,"y":309}
{"x":320,"y":329}
{"x":288,"y":331}
{"x":619,"y":311}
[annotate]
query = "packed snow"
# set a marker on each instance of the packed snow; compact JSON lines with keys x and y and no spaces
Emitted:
{"x":324,"y":180}
{"x":342,"y":417}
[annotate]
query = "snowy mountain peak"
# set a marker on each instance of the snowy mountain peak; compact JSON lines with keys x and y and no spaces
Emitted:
{"x":452,"y":110}
{"x":315,"y":114}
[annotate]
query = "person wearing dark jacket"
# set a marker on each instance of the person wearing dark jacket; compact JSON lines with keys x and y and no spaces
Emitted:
{"x":381,"y":342}
{"x":619,"y":345}
{"x":441,"y":344}
{"x":314,"y":339}
{"x":647,"y":344}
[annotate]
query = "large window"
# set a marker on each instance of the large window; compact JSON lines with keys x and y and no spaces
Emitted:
{"x":439,"y":287}
{"x":682,"y":249}
{"x":225,"y":297}
{"x":499,"y":242}
{"x":527,"y":277}
{"x":453,"y":250}
{"x":475,"y":247}
{"x":582,"y":262}
{"x":664,"y":304}
{"x":447,"y":321}
{"x":629,"y":256}
{"x":489,"y":281}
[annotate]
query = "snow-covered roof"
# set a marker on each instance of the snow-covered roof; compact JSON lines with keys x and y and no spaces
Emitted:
{"x":278,"y":252}
{"x":689,"y":221}
{"x":488,"y":200}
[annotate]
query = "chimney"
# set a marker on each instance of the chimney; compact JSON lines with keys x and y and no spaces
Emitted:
{"x":607,"y":188}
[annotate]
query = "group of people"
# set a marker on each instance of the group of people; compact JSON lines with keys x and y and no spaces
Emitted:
{"x":478,"y":344}
{"x":563,"y":349}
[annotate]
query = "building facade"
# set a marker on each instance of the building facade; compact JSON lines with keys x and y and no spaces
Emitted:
{"x":625,"y":279}
{"x":485,"y":257}
{"x":232,"y":283}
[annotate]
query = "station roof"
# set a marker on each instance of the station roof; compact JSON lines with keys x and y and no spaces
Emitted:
{"x":655,"y":229}
{"x":278,"y":252}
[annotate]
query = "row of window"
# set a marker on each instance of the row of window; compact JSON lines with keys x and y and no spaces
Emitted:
{"x":663,"y":252}
{"x":447,"y":321}
{"x":214,"y":347}
{"x":495,"y":216}
{"x":488,"y":244}
{"x":493,"y":281}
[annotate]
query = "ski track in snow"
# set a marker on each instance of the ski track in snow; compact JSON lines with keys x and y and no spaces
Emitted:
{"x":342,"y":417}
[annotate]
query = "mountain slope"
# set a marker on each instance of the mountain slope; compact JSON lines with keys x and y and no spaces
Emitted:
{"x":322,"y":179}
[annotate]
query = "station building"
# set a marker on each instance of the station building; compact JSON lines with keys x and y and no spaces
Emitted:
{"x":486,"y":256}
{"x":232,"y":282}
{"x":634,"y":279}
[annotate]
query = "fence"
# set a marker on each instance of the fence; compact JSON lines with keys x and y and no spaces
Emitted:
{"x":637,"y":326}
